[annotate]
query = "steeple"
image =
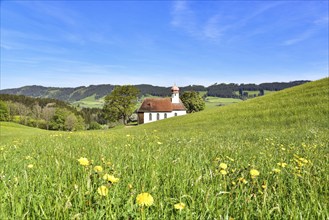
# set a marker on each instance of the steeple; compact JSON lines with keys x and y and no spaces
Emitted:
{"x":175,"y":94}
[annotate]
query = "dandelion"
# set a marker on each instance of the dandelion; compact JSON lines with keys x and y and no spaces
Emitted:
{"x":223,"y":166}
{"x":84,"y":161}
{"x":264,"y":185}
{"x":144,"y":199}
{"x":180,"y":206}
{"x":223,"y":172}
{"x":130,"y":186}
{"x":275,"y":170}
{"x":282,"y":164}
{"x":110,"y":178}
{"x":30,"y":166}
{"x":98,"y":169}
{"x":254,"y":173}
{"x":103,"y":190}
{"x":243,"y":180}
{"x":159,"y":142}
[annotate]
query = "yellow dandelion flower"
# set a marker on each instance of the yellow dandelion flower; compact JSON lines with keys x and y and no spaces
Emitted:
{"x":223,"y":166}
{"x":103,"y":190}
{"x":254,"y":173}
{"x":159,"y":143}
{"x":144,"y":199}
{"x":243,"y":180}
{"x":30,"y":166}
{"x":84,"y":161}
{"x":130,"y":186}
{"x":180,"y":206}
{"x":110,"y":178}
{"x":264,"y":186}
{"x":223,"y":172}
{"x":109,"y":164}
{"x":281,"y":164}
{"x":276,"y":170}
{"x":98,"y":169}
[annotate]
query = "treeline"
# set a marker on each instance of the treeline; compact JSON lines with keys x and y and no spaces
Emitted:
{"x":230,"y":90}
{"x":50,"y":114}
{"x":224,"y":90}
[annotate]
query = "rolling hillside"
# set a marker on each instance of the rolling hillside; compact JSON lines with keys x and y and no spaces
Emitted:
{"x":265,"y":158}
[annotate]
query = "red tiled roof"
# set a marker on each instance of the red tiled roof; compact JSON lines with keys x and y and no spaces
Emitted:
{"x":160,"y":105}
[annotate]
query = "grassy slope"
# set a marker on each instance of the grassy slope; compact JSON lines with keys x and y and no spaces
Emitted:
{"x":178,"y":160}
{"x":299,"y":108}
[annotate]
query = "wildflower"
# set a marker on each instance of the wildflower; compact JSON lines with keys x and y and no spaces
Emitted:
{"x":84,"y":161}
{"x":30,"y":166}
{"x":243,"y":180}
{"x":275,"y":170}
{"x":223,"y":166}
{"x":282,"y":164}
{"x":130,"y":186}
{"x":109,"y":164}
{"x":180,"y":206}
{"x":223,"y":172}
{"x":254,"y":173}
{"x":128,"y":135}
{"x":103,"y":190}
{"x":144,"y":199}
{"x":264,"y":185}
{"x":159,"y":142}
{"x":110,"y":178}
{"x":98,"y":169}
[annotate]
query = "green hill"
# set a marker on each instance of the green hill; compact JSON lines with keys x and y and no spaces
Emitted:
{"x":265,"y":158}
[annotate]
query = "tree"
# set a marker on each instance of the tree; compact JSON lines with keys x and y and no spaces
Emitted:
{"x":192,"y":101}
{"x":47,"y":114}
{"x":121,"y":103}
{"x":4,"y":111}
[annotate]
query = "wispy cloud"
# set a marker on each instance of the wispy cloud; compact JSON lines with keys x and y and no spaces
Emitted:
{"x":317,"y":25}
{"x":303,"y":36}
{"x":213,"y":26}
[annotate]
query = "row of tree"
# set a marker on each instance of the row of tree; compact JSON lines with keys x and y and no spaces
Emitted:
{"x":78,"y":93}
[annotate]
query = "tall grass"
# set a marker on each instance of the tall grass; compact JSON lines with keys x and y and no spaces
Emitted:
{"x":284,"y":136}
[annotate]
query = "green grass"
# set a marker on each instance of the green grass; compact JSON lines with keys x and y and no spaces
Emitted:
{"x":90,"y":102}
{"x":212,"y":101}
{"x":179,"y":160}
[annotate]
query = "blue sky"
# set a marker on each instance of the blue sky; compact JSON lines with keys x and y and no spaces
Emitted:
{"x":75,"y":43}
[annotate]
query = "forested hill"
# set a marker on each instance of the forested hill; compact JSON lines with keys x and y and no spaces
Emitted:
{"x":78,"y":93}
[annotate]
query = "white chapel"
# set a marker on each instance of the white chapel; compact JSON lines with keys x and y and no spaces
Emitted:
{"x":154,"y":109}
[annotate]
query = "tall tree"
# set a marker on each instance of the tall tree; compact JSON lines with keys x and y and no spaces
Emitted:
{"x":192,"y":101}
{"x":121,"y":103}
{"x":4,"y":111}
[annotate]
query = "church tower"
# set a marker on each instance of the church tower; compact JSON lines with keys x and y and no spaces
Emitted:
{"x":175,"y":94}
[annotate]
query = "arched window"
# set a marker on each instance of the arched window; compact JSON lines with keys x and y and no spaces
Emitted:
{"x":158,"y":116}
{"x":165,"y":115}
{"x":150,"y":117}
{"x":175,"y":113}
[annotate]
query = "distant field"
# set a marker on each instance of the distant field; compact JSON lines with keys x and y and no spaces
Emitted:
{"x":212,"y":102}
{"x":251,"y":93}
{"x":263,"y":158}
{"x":90,"y":102}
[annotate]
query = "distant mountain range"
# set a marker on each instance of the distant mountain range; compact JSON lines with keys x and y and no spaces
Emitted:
{"x":99,"y":91}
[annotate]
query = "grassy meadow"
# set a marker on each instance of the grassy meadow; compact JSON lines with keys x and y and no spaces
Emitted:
{"x":264,"y":158}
